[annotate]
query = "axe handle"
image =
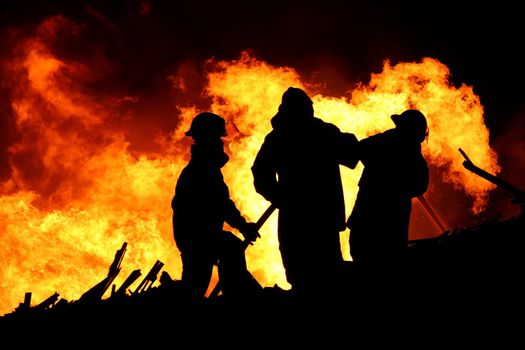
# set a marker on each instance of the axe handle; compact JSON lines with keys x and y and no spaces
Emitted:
{"x":430,"y":211}
{"x":267,"y":213}
{"x":262,"y":219}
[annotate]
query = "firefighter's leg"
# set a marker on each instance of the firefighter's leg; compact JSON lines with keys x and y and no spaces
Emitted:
{"x":233,"y":272}
{"x":197,"y":268}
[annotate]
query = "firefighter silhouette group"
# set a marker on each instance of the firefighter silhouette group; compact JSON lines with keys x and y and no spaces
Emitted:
{"x":297,"y":170}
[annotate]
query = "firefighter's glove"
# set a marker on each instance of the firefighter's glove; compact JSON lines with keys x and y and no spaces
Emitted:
{"x":250,"y":232}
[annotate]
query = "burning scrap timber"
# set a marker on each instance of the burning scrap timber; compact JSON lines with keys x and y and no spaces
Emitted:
{"x":54,"y":308}
{"x":482,"y":262}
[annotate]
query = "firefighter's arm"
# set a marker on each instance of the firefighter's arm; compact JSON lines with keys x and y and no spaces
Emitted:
{"x":236,"y":220}
{"x":250,"y":231}
{"x":265,"y":174}
{"x":418,"y":177}
{"x":347,"y":150}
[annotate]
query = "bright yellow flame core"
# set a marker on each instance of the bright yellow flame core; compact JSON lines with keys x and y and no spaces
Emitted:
{"x":109,"y":195}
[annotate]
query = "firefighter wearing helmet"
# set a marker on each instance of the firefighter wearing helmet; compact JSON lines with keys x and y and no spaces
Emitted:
{"x":412,"y":123}
{"x":207,"y":125}
{"x":201,"y":205}
{"x":395,"y":171}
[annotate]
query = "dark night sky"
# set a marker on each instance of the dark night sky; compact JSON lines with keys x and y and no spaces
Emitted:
{"x":480,"y":43}
{"x":344,"y":41}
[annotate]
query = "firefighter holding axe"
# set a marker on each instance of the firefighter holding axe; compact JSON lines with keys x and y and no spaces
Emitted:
{"x":201,"y":205}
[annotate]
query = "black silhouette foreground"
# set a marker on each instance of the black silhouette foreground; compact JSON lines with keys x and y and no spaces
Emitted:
{"x":201,"y":205}
{"x":297,"y":170}
{"x":463,"y":285}
{"x":267,"y":213}
{"x":394,"y":173}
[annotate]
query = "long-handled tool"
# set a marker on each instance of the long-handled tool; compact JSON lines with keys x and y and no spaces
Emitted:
{"x":430,"y":211}
{"x":267,"y":213}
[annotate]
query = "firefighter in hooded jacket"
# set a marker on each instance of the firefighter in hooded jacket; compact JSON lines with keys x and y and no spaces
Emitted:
{"x":297,"y":169}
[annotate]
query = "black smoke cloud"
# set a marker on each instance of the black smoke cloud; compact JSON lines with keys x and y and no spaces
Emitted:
{"x":138,"y":50}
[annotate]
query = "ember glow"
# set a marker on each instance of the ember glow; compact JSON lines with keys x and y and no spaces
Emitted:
{"x":77,"y":190}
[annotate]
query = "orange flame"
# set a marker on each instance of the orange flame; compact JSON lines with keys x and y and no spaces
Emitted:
{"x":77,"y":192}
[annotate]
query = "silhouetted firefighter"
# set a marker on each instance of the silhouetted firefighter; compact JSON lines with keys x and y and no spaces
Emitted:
{"x":394,"y":173}
{"x":297,"y":169}
{"x":201,"y":205}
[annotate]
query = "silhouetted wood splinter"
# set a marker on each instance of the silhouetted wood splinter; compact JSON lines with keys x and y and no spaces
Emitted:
{"x":518,"y":194}
{"x":150,"y":278}
{"x":99,"y":289}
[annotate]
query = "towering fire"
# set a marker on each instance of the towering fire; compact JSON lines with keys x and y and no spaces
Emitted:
{"x":77,"y":189}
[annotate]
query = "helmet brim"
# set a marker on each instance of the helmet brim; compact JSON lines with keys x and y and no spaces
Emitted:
{"x":396,"y":118}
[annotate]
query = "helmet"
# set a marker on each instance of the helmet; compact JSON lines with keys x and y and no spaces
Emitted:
{"x":207,"y":124}
{"x":413,"y":121}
